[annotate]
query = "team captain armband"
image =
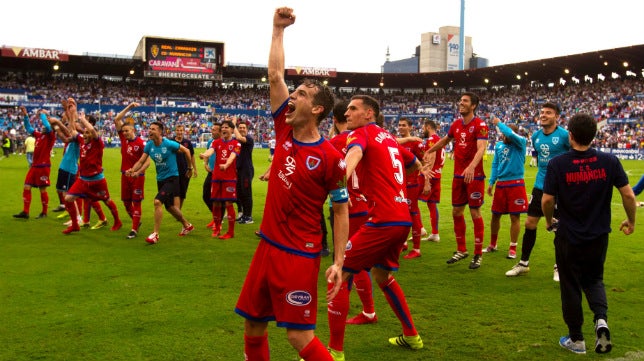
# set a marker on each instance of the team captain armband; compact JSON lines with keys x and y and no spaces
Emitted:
{"x":339,"y":195}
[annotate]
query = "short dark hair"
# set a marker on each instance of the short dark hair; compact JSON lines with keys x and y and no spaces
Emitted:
{"x":91,"y":119}
{"x":473,"y":98}
{"x":406,"y":120}
{"x":339,"y":109}
{"x":583,"y":128}
{"x":552,"y":106}
{"x":431,"y":124}
{"x":324,"y":97}
{"x":229,"y":123}
{"x":370,"y":102}
{"x":159,"y":125}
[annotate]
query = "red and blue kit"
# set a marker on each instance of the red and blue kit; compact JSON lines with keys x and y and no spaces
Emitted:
{"x":303,"y":175}
{"x":131,"y":151}
{"x":465,"y":137}
{"x":42,"y":150}
{"x":223,"y":149}
{"x":376,"y":183}
{"x":359,"y":207}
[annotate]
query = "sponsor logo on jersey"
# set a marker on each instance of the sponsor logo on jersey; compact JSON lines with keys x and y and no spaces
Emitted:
{"x":290,"y":165}
{"x":298,"y":298}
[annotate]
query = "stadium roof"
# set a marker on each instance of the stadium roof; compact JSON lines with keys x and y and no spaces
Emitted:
{"x":543,"y":71}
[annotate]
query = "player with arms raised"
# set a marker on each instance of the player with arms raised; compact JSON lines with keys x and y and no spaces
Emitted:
{"x":281,"y":284}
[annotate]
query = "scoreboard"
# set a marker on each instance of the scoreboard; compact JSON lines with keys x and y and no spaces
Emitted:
{"x":182,"y":59}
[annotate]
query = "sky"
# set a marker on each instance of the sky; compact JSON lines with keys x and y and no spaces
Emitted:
{"x":346,"y":35}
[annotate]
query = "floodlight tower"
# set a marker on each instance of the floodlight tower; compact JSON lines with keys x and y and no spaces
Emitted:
{"x":461,"y":37}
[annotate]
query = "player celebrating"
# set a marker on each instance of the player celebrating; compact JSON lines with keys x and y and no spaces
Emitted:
{"x":550,"y":141}
{"x":163,"y":153}
{"x":433,"y":161}
{"x":468,"y":186}
{"x":508,"y":168}
{"x":378,"y":242}
{"x":132,"y":188}
{"x":305,"y":170}
{"x":224,"y":178}
{"x":38,"y":173}
{"x":91,"y":182}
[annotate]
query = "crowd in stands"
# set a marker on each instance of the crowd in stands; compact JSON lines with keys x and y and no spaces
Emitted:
{"x":618,"y":105}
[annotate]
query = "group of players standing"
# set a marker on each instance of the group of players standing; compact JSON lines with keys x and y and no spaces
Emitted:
{"x":81,"y":182}
{"x":365,"y":173}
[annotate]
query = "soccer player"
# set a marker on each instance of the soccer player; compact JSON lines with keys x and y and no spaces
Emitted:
{"x":580,"y":182}
{"x":282,"y":280}
{"x":550,"y":141}
{"x":415,"y":183}
{"x":132,"y":188}
{"x":38,"y":174}
{"x":208,"y":165}
{"x":224,"y":178}
{"x":68,"y":172}
{"x":184,"y":163}
{"x":469,"y":134}
{"x":508,"y":168}
{"x":433,"y":161}
{"x":163,"y":152}
{"x":378,"y":242}
{"x":245,"y":172}
{"x":91,"y":182}
{"x":358,"y":215}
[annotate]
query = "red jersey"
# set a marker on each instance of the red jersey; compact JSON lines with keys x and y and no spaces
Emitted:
{"x":223,"y":149}
{"x":465,"y":137}
{"x":359,"y":205}
{"x":131,"y":151}
{"x":91,"y":157}
{"x":439,"y":161}
{"x":382,"y":174}
{"x":42,"y":151}
{"x":302,"y":176}
{"x":415,"y":148}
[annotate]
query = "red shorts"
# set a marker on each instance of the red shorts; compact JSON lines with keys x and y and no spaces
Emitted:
{"x":434,"y":195}
{"x":38,"y":177}
{"x":282,"y":287}
{"x":355,"y":222}
{"x":94,"y":190}
{"x":223,"y":191}
{"x":375,"y":247}
{"x":510,"y":197}
{"x":472,"y":193}
{"x":132,"y":188}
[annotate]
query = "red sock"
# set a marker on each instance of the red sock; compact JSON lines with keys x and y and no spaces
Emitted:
{"x":216,"y":215}
{"x":396,"y":298}
{"x":256,"y":348}
{"x":99,"y":210}
{"x":61,"y":198}
{"x":493,"y":238}
{"x":115,"y":213}
{"x":136,"y":215}
{"x":364,"y":289}
{"x":230,"y":210}
{"x":433,"y":216}
{"x":73,"y":213}
{"x":44,"y":199}
{"x":128,"y":208}
{"x":459,"y":232}
{"x":479,"y":229}
{"x":314,"y":351}
{"x":26,"y":199}
{"x":416,"y":226}
{"x":338,"y":309}
{"x":87,"y":204}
